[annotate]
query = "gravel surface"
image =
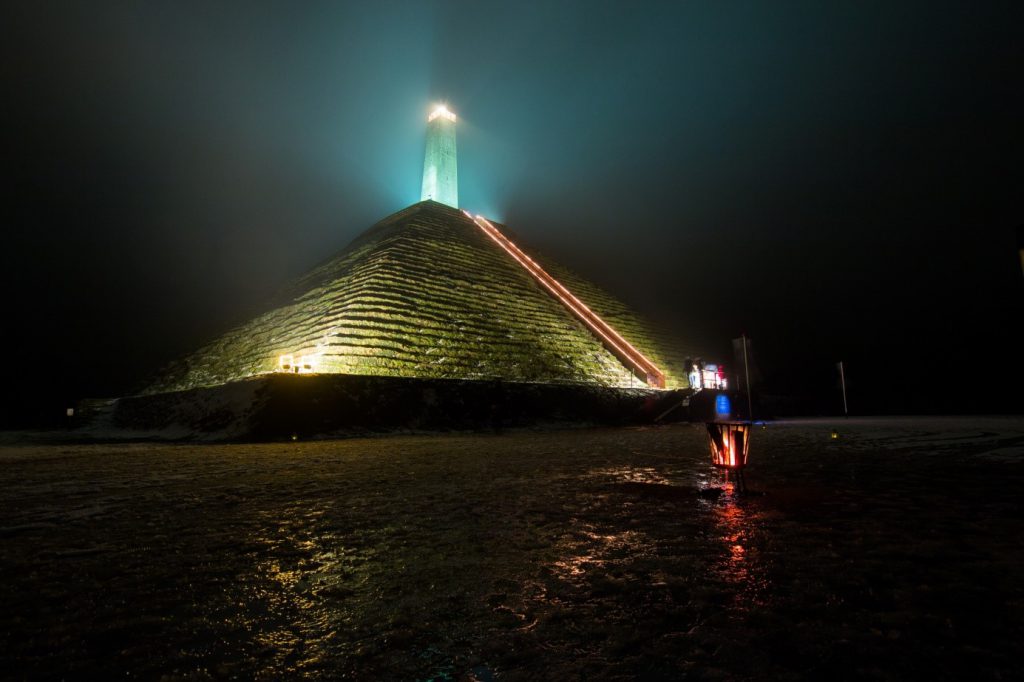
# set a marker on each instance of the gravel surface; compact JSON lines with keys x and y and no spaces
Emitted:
{"x":891,"y":552}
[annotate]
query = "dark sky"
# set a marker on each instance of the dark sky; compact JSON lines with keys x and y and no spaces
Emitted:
{"x":839,"y":180}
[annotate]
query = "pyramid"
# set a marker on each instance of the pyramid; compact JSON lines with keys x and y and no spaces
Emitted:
{"x":427,"y":293}
{"x":432,"y":292}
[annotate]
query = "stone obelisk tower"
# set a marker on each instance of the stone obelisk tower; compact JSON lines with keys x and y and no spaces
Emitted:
{"x":440,"y":176}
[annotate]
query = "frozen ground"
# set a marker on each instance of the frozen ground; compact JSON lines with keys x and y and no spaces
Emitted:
{"x":892,"y":552}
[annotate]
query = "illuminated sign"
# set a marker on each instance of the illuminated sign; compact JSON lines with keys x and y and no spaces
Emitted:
{"x":722,"y":405}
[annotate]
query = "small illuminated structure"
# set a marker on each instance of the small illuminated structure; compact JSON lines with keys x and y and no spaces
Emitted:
{"x":622,"y":349}
{"x":306,"y":364}
{"x":730,"y":446}
{"x":440,"y":171}
{"x":714,"y":377}
{"x":709,"y":375}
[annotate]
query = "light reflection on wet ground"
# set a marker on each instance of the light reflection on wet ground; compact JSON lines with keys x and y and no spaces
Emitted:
{"x":740,"y":566}
{"x":603,"y":554}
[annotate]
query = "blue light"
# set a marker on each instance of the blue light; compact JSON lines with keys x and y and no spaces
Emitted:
{"x":722,"y":405}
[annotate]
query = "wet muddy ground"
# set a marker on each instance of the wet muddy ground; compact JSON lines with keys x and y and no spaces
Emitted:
{"x":893,"y":552}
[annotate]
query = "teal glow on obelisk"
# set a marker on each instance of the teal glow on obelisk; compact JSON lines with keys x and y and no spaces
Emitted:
{"x":440,"y":176}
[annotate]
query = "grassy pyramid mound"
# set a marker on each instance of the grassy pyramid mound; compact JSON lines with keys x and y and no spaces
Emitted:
{"x":424,"y":293}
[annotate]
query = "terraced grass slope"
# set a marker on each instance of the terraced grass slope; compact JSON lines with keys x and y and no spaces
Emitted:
{"x":656,"y":343}
{"x":424,"y":293}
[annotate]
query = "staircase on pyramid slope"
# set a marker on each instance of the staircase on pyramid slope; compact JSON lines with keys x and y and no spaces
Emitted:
{"x":429,"y":293}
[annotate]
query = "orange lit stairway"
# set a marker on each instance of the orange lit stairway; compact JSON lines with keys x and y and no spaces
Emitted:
{"x":612,"y":340}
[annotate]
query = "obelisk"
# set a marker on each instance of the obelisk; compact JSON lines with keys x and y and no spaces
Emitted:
{"x":440,"y":175}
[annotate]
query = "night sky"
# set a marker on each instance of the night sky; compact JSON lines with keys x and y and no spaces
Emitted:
{"x":837,"y":180}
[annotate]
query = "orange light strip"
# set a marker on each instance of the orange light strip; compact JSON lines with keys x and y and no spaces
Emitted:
{"x":622,"y":349}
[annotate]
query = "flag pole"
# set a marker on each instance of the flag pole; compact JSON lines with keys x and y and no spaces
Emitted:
{"x":842,"y":379}
{"x":746,"y":371}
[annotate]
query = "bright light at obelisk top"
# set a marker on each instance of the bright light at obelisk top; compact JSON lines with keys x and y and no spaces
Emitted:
{"x":442,"y":111}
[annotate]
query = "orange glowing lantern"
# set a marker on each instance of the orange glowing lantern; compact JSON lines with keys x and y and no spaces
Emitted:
{"x":730,"y":446}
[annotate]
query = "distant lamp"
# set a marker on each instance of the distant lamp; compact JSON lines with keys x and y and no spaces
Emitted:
{"x":286,"y":363}
{"x":730,"y":447}
{"x":835,"y":435}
